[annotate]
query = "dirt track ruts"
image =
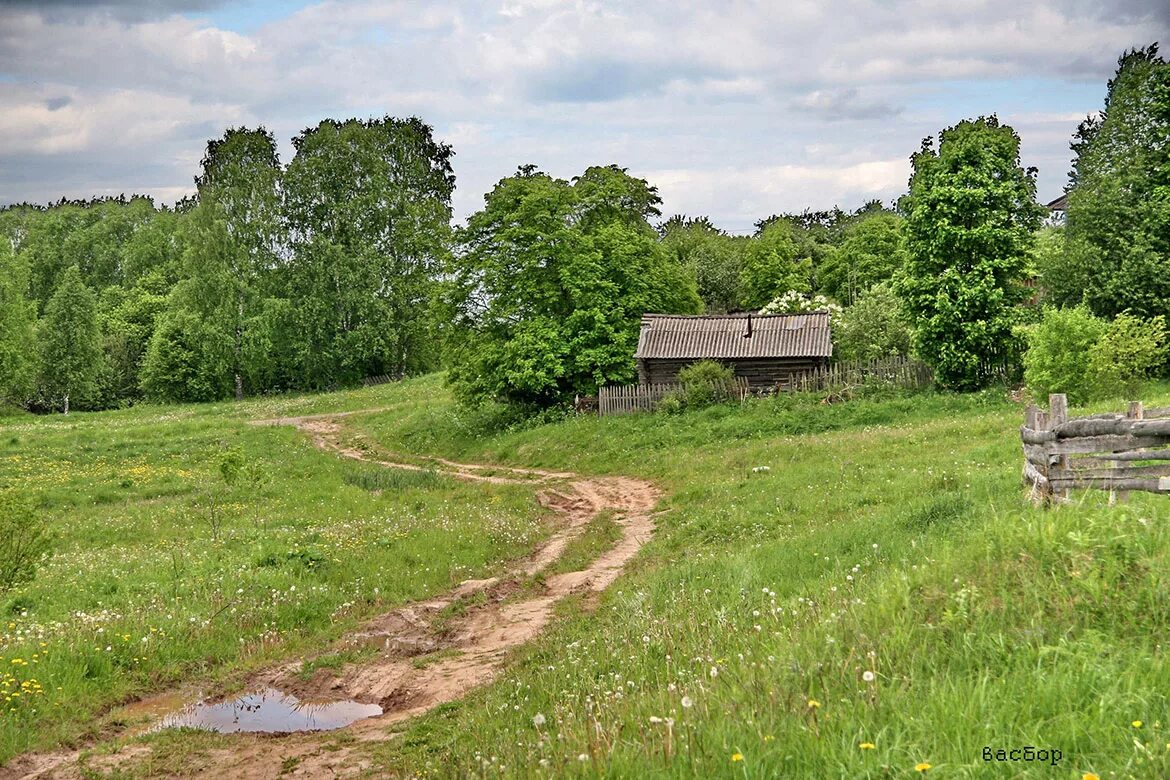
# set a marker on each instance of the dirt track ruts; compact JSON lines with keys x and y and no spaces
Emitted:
{"x":471,"y":645}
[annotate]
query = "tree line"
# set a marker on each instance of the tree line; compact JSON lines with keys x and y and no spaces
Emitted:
{"x":344,"y":264}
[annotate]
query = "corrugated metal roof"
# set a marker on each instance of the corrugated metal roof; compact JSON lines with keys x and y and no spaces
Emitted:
{"x":725,"y":336}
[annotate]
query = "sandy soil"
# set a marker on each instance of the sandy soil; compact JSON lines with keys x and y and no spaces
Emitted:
{"x":469,"y":631}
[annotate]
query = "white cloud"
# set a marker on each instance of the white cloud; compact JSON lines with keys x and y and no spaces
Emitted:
{"x":742,"y":107}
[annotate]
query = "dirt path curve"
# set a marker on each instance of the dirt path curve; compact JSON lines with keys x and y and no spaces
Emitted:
{"x":465,"y":635}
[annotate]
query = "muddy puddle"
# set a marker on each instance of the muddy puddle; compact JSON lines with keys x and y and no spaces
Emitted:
{"x":269,"y":711}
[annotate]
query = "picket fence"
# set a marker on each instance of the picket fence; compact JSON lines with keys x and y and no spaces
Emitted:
{"x":645,"y":398}
{"x":901,"y":372}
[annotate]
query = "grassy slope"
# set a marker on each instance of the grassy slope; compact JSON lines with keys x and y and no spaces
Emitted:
{"x":896,"y":540}
{"x":145,"y":591}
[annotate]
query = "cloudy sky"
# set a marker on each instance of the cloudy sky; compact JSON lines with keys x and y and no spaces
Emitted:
{"x":734,"y":109}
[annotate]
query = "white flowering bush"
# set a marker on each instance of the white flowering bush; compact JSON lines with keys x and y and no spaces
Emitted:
{"x":793,"y":302}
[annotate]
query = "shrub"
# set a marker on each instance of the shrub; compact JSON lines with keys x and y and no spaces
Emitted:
{"x":873,"y":328}
{"x":1128,"y":353}
{"x":706,"y":382}
{"x":24,"y":541}
{"x":1057,"y":360}
{"x":672,"y":403}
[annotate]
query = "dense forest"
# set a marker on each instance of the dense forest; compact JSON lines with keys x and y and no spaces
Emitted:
{"x":344,"y":264}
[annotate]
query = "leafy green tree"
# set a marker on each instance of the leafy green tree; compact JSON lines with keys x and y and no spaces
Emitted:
{"x":96,"y":244}
{"x":874,"y":327}
{"x":714,"y":258}
{"x":231,"y":241}
{"x":771,"y":267}
{"x":872,"y":250}
{"x":43,"y":248}
{"x":1057,"y":360}
{"x":127,"y":318}
{"x":549,"y":283}
{"x":17,"y":328}
{"x":1117,"y":254}
{"x":369,"y":209}
{"x":971,"y":211}
{"x":235,"y":239}
{"x":185,"y":359}
{"x":155,"y":248}
{"x":70,"y":344}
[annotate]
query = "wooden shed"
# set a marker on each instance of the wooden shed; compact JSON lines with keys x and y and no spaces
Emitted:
{"x":765,"y":349}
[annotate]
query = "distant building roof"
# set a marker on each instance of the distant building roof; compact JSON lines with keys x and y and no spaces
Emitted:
{"x":727,"y":336}
{"x":1060,"y":204}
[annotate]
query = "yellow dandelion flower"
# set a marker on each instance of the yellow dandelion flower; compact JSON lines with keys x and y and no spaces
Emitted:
{"x":921,"y":766}
{"x":867,"y":746}
{"x":737,"y":756}
{"x":1090,"y":776}
{"x":1137,"y":724}
{"x":813,"y":703}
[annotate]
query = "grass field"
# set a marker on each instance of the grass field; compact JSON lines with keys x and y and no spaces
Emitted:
{"x":164,"y":574}
{"x":855,"y":590}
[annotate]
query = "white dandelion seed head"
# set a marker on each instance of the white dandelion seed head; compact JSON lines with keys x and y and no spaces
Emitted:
{"x":687,"y":702}
{"x":538,"y":719}
{"x":868,"y":676}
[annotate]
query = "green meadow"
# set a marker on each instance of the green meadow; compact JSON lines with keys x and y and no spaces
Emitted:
{"x":858,"y":589}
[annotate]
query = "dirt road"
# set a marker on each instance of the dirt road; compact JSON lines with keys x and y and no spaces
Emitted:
{"x":464,"y":635}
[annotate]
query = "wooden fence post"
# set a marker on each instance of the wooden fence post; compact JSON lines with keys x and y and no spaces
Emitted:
{"x":1136,"y":411}
{"x":1057,"y":416}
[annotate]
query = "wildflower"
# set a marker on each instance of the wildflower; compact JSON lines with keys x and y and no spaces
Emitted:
{"x":538,"y":720}
{"x":1137,"y":724}
{"x":583,"y":757}
{"x":868,"y":676}
{"x":768,"y":738}
{"x":866,"y":746}
{"x":1090,"y":776}
{"x":813,"y":703}
{"x":737,"y":756}
{"x":687,"y":702}
{"x":714,"y":672}
{"x":655,"y":719}
{"x":921,"y":766}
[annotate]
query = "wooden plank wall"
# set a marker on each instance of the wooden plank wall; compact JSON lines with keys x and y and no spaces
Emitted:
{"x":1115,"y":452}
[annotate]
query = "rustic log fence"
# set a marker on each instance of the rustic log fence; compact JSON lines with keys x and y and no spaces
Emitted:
{"x":901,"y":372}
{"x":626,"y":399}
{"x":1114,"y":452}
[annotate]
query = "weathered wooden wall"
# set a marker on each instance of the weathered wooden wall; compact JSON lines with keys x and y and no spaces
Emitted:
{"x":1115,"y":452}
{"x":758,"y":372}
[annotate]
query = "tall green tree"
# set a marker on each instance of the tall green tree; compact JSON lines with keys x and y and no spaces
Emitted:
{"x":548,"y":285}
{"x":1117,"y":251}
{"x":17,"y":328}
{"x":971,"y":211}
{"x":368,"y":205}
{"x":70,"y":344}
{"x":231,"y":239}
{"x":715,"y":258}
{"x":871,"y":250}
{"x":771,"y":267}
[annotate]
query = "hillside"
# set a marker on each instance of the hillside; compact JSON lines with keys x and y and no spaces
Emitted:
{"x":855,"y":590}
